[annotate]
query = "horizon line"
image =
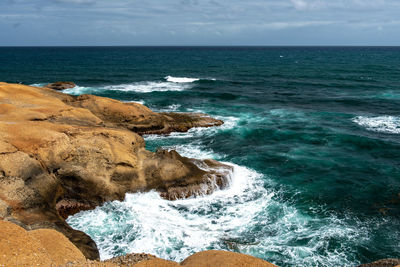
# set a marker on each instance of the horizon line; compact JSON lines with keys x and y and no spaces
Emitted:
{"x":155,"y":46}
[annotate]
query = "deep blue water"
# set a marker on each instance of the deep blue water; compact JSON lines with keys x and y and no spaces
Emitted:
{"x":313,"y":133}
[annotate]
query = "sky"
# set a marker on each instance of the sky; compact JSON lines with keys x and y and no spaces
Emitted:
{"x":199,"y":22}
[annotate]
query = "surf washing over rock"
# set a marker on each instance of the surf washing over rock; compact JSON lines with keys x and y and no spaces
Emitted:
{"x":224,"y":220}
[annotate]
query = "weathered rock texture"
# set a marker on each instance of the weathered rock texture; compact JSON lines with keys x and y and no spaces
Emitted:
{"x":46,"y":247}
{"x":43,"y":247}
{"x":60,"y":154}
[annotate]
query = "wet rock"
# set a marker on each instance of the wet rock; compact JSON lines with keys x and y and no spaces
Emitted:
{"x":382,"y":263}
{"x":60,"y":85}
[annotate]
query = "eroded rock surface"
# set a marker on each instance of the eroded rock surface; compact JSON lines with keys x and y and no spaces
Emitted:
{"x":60,"y":154}
{"x":46,"y":247}
{"x":43,"y":247}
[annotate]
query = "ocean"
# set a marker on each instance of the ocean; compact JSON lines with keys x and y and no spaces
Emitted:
{"x":313,"y":134}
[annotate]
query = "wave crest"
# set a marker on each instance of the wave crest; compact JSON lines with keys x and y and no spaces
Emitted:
{"x":383,"y":124}
{"x":181,"y":79}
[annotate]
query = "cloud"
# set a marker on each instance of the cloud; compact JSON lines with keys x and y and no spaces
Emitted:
{"x":79,"y":2}
{"x":199,"y":21}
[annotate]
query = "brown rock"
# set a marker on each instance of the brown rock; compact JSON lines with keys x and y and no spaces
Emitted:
{"x":214,"y":258}
{"x":383,"y":263}
{"x":19,"y":247}
{"x":157,"y":263}
{"x":60,"y":85}
{"x":60,"y":154}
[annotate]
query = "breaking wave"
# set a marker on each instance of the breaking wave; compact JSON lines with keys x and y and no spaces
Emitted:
{"x":228,"y":219}
{"x":181,"y":79}
{"x":383,"y":124}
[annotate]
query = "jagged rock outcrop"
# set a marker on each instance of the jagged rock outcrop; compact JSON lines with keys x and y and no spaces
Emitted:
{"x":60,"y":154}
{"x":60,"y":85}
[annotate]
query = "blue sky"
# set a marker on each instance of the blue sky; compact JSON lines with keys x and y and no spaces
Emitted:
{"x":199,"y":22}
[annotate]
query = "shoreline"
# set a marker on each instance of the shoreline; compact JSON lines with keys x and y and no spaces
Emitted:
{"x":54,"y":147}
{"x":67,"y":153}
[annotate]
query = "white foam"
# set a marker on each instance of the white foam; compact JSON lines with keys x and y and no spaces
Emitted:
{"x":170,"y":108}
{"x":136,"y":101}
{"x":229,"y":123}
{"x":194,"y":151}
{"x":181,"y":79}
{"x":80,"y":90}
{"x":38,"y":84}
{"x":384,"y":124}
{"x":171,"y":229}
{"x":246,"y":216}
{"x":148,"y":87}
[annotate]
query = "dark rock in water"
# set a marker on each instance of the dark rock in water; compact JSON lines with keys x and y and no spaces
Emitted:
{"x":60,"y":85}
{"x":382,"y":263}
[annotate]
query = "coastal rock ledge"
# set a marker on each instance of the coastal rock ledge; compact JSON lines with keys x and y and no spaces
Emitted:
{"x":46,"y":247}
{"x":60,"y":154}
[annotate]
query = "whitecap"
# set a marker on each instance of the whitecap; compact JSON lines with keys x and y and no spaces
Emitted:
{"x":148,"y":87}
{"x":181,"y":79}
{"x":383,"y":124}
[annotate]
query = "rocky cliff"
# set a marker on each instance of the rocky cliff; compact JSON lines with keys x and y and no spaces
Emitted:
{"x":60,"y":154}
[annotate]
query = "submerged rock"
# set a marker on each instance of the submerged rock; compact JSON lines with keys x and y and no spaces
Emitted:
{"x":60,"y":154}
{"x":60,"y":85}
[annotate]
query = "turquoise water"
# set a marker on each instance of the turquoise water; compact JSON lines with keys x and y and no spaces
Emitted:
{"x":313,"y":135}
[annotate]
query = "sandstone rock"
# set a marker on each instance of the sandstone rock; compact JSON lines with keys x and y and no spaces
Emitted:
{"x":213,"y":258}
{"x":140,"y":119}
{"x":44,"y":247}
{"x":60,"y":85}
{"x":60,"y":154}
{"x":157,"y":263}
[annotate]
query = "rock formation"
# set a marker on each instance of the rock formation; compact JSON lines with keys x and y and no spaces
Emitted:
{"x":46,"y":247}
{"x":43,"y":247}
{"x":60,"y":154}
{"x":60,"y":85}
